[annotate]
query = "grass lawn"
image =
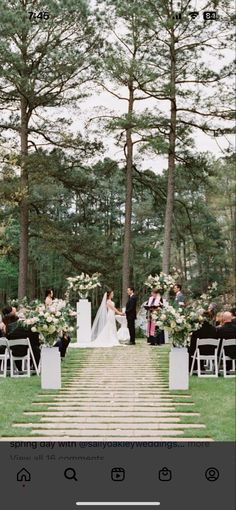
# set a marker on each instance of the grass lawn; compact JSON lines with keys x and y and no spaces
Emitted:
{"x":17,"y":395}
{"x":214,"y":399}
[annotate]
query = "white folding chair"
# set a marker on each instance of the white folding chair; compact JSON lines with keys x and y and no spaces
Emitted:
{"x":211,"y":358}
{"x":230,"y":342}
{"x":24,"y":359}
{"x":4,"y":357}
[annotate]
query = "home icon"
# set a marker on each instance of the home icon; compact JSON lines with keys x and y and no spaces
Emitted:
{"x":23,"y":475}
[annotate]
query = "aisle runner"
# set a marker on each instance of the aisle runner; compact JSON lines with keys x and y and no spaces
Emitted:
{"x":117,"y":394}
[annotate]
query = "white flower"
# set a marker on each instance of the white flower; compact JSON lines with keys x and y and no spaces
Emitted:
{"x":51,"y":329}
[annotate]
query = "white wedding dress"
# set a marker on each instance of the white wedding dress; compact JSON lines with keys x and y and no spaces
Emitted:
{"x":104,"y":332}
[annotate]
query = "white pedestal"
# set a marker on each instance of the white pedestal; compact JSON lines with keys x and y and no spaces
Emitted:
{"x":50,"y":368}
{"x":83,"y":324}
{"x":178,"y":369}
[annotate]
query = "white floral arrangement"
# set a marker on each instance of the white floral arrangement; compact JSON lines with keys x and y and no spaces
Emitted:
{"x":178,"y":322}
{"x":162,"y":281}
{"x":83,"y":284}
{"x":207,"y":297}
{"x":50,"y":321}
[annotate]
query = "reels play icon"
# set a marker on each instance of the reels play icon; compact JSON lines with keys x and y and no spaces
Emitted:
{"x":118,"y":474}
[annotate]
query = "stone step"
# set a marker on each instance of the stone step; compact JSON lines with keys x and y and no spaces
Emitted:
{"x":90,"y":397}
{"x":64,"y":436}
{"x":111,"y":426}
{"x":82,"y":392}
{"x":108,"y":406}
{"x":117,"y":414}
{"x":108,"y":435}
{"x":114,"y":420}
{"x":111,"y":398}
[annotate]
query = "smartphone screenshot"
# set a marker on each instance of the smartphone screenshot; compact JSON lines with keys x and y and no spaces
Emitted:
{"x":117,"y":254}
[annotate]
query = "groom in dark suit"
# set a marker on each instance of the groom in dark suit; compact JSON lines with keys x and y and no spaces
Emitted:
{"x":130,"y":312}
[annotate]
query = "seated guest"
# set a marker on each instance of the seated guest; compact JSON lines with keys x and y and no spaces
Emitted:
{"x":2,"y":335}
{"x":227,"y":331}
{"x":219,"y":319}
{"x":205,"y":331}
{"x":63,"y":342}
{"x":15,"y":330}
{"x":212,"y":310}
{"x":179,"y":297}
{"x":233,"y":313}
{"x":2,"y":329}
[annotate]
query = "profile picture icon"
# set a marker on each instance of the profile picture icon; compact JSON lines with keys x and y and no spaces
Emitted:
{"x":212,"y":474}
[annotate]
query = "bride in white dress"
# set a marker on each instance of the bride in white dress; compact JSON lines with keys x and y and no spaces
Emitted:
{"x":104,"y":332}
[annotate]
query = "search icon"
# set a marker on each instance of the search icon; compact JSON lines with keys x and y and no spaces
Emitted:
{"x":70,"y":474}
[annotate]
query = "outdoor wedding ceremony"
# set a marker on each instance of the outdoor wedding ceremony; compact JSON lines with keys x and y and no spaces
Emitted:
{"x":117,"y":221}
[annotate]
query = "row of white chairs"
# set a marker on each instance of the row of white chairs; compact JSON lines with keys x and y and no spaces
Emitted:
{"x":213,"y":361}
{"x":26,"y":360}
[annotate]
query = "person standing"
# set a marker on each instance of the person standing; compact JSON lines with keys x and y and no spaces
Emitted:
{"x":48,"y":297}
{"x":179,"y":297}
{"x":154,"y":302}
{"x":131,"y":313}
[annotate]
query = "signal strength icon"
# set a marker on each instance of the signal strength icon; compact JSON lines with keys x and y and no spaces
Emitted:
{"x":177,"y":16}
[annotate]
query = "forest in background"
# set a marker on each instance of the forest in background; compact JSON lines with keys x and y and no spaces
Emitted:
{"x":66,"y":205}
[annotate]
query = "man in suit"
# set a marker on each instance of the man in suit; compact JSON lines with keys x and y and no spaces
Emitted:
{"x":15,"y":330}
{"x":227,"y":331}
{"x":205,"y":331}
{"x":130,"y":312}
{"x":179,"y":297}
{"x":62,"y":343}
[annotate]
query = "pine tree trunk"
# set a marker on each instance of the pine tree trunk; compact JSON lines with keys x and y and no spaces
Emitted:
{"x":24,"y":207}
{"x":128,"y":202}
{"x":233,"y":251}
{"x":171,"y":166}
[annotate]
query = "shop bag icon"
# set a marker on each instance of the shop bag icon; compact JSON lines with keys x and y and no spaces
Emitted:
{"x":165,"y":475}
